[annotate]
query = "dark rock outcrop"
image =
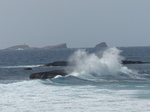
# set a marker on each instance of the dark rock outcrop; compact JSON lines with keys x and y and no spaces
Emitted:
{"x":100,"y":45}
{"x":59,"y":63}
{"x":28,"y":68}
{"x":50,"y":74}
{"x":56,"y":63}
{"x":134,"y":62}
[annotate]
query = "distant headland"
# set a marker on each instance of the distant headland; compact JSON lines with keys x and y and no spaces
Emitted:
{"x":63,"y":45}
{"x":26,"y":47}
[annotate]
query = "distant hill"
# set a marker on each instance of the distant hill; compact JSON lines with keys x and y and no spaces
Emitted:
{"x":26,"y":47}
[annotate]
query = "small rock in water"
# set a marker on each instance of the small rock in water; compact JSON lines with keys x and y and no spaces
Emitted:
{"x":28,"y":68}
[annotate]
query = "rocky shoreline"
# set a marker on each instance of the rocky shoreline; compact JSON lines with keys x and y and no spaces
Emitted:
{"x":64,"y":72}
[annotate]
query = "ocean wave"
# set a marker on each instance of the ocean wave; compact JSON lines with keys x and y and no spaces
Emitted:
{"x":100,"y":67}
{"x":86,"y":79}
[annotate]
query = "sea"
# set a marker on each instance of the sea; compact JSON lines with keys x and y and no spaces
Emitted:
{"x":99,"y":83}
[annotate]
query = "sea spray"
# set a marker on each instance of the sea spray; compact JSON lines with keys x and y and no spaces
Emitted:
{"x":95,"y":66}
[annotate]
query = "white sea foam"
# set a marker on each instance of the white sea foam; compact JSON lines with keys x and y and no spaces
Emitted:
{"x":20,"y":66}
{"x":36,"y":96}
{"x":109,"y":65}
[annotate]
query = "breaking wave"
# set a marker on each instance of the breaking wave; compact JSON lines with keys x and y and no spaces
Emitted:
{"x":104,"y":66}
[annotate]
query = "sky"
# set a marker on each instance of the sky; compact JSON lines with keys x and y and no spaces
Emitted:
{"x":79,"y":23}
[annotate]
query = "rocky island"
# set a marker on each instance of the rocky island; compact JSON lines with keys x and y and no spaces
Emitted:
{"x":18,"y":47}
{"x":63,"y":45}
{"x":100,"y":45}
{"x":26,"y":47}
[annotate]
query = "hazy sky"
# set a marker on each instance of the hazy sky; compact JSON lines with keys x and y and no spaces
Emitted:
{"x":79,"y":23}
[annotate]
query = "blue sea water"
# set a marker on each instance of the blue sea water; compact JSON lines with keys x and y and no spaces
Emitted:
{"x":99,"y":83}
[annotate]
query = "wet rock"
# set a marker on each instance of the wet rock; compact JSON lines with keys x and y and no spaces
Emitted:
{"x":57,"y":63}
{"x":44,"y":76}
{"x":28,"y":68}
{"x":134,"y":62}
{"x":50,"y":74}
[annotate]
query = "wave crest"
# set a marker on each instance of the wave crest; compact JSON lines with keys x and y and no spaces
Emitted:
{"x":108,"y":65}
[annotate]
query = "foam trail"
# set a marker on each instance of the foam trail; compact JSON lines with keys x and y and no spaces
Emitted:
{"x":92,"y":65}
{"x":20,"y":66}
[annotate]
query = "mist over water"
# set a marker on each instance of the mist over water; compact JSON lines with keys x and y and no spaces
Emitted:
{"x":98,"y":66}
